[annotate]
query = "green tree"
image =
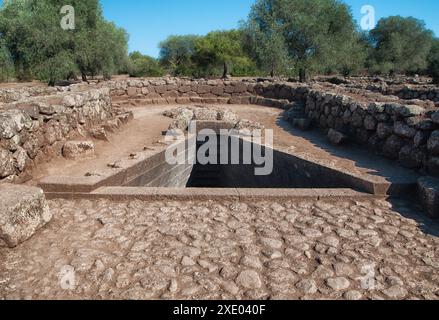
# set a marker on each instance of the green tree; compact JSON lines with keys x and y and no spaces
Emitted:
{"x":312,"y":30}
{"x":266,"y":45}
{"x":176,"y":53}
{"x":220,"y":50}
{"x":99,"y":47}
{"x":15,"y":28}
{"x":41,"y":48}
{"x":433,"y":61}
{"x":6,"y":63}
{"x":401,"y":45}
{"x":143,"y":66}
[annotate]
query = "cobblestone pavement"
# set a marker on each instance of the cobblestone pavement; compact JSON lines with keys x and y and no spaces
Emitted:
{"x":225,"y":250}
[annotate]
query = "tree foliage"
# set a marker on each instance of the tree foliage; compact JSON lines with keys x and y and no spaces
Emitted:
{"x":401,"y":45}
{"x":6,"y":63}
{"x":266,"y":46}
{"x":280,"y":37}
{"x":176,"y":54}
{"x":41,"y":48}
{"x":317,"y":34}
{"x":140,"y":65}
{"x":220,"y":52}
{"x":433,"y":61}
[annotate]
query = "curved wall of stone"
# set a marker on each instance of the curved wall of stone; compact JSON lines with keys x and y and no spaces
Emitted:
{"x":34,"y":125}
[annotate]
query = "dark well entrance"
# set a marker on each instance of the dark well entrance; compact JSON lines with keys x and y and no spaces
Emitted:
{"x":288,"y":171}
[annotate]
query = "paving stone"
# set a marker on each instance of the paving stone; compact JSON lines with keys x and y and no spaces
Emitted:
{"x":213,"y":250}
{"x":338,"y":284}
{"x":353,"y":295}
{"x":249,"y":279}
{"x":307,"y":286}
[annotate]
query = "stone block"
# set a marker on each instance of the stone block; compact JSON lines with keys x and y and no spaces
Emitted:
{"x":429,"y":194}
{"x":336,"y":137}
{"x":78,"y":149}
{"x":23,"y":211}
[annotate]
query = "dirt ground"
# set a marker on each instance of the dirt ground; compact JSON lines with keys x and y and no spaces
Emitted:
{"x":351,"y":250}
{"x":149,"y":123}
{"x":226,"y":250}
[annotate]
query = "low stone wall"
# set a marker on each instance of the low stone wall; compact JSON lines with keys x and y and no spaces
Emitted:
{"x":8,"y":95}
{"x":32,"y":128}
{"x":406,"y":92}
{"x":407,"y":133}
{"x":418,"y":92}
{"x":181,"y":91}
{"x":35,"y":129}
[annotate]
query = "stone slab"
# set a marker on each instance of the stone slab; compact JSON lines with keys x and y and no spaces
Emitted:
{"x":23,"y":210}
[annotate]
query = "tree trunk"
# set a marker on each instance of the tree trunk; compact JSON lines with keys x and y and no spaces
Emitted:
{"x":84,"y":76}
{"x":302,"y":74}
{"x":272,"y":73}
{"x":226,"y":71}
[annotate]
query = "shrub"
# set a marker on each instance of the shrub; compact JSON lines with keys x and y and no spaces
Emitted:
{"x":143,"y":66}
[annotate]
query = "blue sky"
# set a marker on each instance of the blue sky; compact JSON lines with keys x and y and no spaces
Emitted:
{"x":150,"y":21}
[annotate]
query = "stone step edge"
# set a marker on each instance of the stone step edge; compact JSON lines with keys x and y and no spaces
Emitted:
{"x":237,"y":194}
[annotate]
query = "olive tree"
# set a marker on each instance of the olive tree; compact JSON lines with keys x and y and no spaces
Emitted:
{"x":313,"y":31}
{"x":401,"y":45}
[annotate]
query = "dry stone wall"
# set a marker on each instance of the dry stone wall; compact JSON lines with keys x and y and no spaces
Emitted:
{"x":8,"y":95}
{"x":406,"y":133}
{"x":180,"y":91}
{"x":34,"y":125}
{"x":36,"y":128}
{"x":406,"y":92}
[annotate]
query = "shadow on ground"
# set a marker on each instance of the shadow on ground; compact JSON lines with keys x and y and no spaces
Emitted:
{"x":373,"y":164}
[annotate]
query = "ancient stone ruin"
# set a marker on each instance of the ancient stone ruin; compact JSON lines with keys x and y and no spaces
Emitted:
{"x":84,"y":175}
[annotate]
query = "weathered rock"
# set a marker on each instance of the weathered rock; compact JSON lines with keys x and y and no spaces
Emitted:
{"x":78,"y":149}
{"x":6,"y":164}
{"x":433,"y":165}
{"x":353,"y":295}
{"x":23,"y":210}
{"x":69,"y":101}
{"x":433,"y":143}
{"x":182,"y":119}
{"x":409,"y":111}
{"x":428,"y":188}
{"x":336,"y":137}
{"x":403,"y":130}
{"x":21,"y":158}
{"x":421,"y":138}
{"x":410,"y":157}
{"x":307,"y":286}
{"x":12,"y":122}
{"x":249,"y":279}
{"x":396,"y":292}
{"x":370,"y":123}
{"x":99,"y":133}
{"x":205,"y":114}
{"x":228,"y":116}
{"x":393,"y":146}
{"x":435,"y":117}
{"x":384,"y":130}
{"x":338,"y":284}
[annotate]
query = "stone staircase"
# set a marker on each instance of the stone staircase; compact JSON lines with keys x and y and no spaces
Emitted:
{"x":297,"y":117}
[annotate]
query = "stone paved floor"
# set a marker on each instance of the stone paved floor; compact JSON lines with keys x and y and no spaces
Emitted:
{"x":224,"y":250}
